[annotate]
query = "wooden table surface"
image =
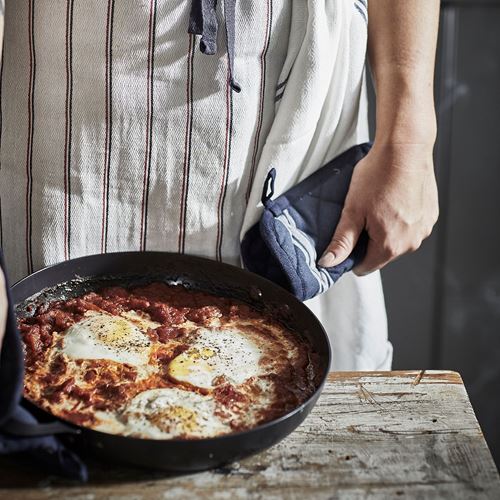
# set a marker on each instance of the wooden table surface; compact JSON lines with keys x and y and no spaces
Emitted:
{"x":372,"y":434}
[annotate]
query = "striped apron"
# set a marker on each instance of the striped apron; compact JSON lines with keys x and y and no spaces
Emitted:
{"x":118,"y":133}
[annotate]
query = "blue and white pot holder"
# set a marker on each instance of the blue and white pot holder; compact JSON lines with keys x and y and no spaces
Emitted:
{"x":296,"y":228}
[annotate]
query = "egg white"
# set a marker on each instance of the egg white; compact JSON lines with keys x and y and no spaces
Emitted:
{"x":216,"y":352}
{"x":104,"y":336}
{"x":171,"y":412}
{"x":140,"y":320}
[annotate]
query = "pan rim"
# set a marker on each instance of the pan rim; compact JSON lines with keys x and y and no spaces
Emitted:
{"x":204,"y":440}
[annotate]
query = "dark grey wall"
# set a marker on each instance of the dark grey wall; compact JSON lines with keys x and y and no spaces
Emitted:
{"x":444,"y":301}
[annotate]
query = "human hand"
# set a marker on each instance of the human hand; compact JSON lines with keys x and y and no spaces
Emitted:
{"x":393,"y":195}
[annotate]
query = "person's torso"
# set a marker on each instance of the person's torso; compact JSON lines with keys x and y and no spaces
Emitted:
{"x":119,"y":134}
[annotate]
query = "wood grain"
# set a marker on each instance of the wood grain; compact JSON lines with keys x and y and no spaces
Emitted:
{"x":378,"y":434}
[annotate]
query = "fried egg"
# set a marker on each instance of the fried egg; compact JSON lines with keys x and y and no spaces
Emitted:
{"x":141,"y":321}
{"x":104,"y":336}
{"x":171,"y":412}
{"x":216,"y":352}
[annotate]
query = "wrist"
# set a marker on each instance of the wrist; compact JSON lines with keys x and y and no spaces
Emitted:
{"x":403,"y":156}
{"x":409,"y":121}
{"x":405,"y":109}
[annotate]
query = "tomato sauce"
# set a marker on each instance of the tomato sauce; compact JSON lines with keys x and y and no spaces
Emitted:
{"x":76,"y":389}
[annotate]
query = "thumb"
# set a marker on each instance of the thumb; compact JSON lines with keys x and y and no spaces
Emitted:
{"x":343,"y":241}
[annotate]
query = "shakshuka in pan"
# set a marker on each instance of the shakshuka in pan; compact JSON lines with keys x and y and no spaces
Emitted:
{"x":162,"y":362}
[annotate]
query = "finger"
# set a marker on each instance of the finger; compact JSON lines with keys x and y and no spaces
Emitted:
{"x":377,"y":256}
{"x":343,"y":241}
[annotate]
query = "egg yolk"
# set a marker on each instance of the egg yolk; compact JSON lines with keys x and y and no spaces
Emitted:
{"x":113,"y":332}
{"x":175,"y":416}
{"x":192,"y":361}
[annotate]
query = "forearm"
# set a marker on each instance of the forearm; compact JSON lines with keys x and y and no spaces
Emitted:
{"x":393,"y":192}
{"x":402,"y":37}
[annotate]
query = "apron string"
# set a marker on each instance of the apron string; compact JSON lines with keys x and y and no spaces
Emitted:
{"x":203,"y":21}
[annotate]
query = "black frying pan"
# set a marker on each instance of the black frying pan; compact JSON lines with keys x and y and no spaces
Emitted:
{"x":77,"y":276}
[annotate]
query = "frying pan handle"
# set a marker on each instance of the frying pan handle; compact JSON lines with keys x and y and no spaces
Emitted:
{"x":17,"y":428}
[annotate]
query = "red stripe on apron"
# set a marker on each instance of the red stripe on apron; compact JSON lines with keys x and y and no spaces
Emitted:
{"x":269,"y":20}
{"x":109,"y":125}
{"x":29,"y":148}
{"x":225,"y":173}
{"x":149,"y":124}
{"x":67,"y":140}
{"x":187,"y":144}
